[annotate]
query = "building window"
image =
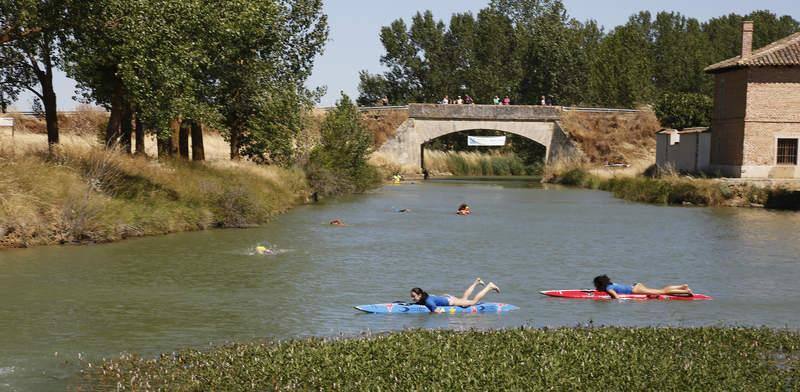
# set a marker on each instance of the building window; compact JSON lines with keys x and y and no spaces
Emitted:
{"x":787,"y":151}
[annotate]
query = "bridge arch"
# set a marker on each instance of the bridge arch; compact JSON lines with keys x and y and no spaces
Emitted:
{"x":428,"y":122}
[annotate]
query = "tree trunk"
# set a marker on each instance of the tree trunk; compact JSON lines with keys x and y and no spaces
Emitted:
{"x":162,"y":144}
{"x":139,"y":137}
{"x":127,"y":129}
{"x":50,"y":111}
{"x":174,"y":133}
{"x":198,"y":151}
{"x":235,"y":134}
{"x":115,"y":120}
{"x":183,"y":139}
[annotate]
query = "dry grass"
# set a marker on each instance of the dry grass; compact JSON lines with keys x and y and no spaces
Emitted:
{"x":384,"y":124}
{"x":87,"y":194}
{"x":24,"y":141}
{"x":84,"y":120}
{"x":614,"y":137}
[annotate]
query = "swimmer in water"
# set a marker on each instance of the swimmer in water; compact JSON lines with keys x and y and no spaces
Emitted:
{"x":264,"y":251}
{"x":337,"y":222}
{"x":464,"y":209}
{"x":404,"y":210}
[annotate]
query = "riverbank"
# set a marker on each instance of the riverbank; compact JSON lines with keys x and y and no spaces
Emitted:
{"x":89,"y":195}
{"x":678,"y":190}
{"x":580,"y":359}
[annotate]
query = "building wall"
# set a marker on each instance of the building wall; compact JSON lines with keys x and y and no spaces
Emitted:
{"x":730,"y":96}
{"x":760,"y":148}
{"x":773,"y":111}
{"x":727,"y":138}
{"x":704,"y":152}
{"x":687,"y":152}
{"x":773,"y":94}
{"x":748,"y":119}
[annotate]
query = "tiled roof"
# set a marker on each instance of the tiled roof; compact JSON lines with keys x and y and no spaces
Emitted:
{"x":782,"y":52}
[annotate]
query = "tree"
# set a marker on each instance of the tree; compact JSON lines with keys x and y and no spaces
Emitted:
{"x":684,"y":110}
{"x":622,"y":74}
{"x":725,"y":32}
{"x":29,"y":56}
{"x":137,"y":57}
{"x":265,"y":54}
{"x":681,"y":51}
{"x":495,"y":69}
{"x":372,"y":88}
{"x":339,"y":163}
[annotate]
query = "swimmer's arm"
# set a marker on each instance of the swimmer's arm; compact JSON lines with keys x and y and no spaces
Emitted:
{"x":612,"y":293}
{"x":432,"y":306}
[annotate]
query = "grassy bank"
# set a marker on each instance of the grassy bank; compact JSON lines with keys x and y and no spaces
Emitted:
{"x":86,"y":194}
{"x":462,"y":163}
{"x":678,"y":190}
{"x":585,"y":359}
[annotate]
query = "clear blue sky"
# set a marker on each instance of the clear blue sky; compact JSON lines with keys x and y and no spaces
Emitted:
{"x":354,"y":27}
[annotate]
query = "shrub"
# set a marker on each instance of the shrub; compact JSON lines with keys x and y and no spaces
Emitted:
{"x":341,"y":157}
{"x":684,"y":110}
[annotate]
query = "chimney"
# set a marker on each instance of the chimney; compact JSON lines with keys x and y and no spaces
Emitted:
{"x":747,"y":38}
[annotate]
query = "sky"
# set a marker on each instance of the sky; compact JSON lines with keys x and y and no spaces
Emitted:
{"x":355,"y":24}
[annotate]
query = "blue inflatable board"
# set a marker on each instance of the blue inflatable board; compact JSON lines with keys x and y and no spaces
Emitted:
{"x":400,"y":308}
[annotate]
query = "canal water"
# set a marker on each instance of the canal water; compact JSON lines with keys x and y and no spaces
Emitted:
{"x":61,"y":305}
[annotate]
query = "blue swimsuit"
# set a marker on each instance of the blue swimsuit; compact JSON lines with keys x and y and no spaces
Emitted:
{"x":620,"y":288}
{"x":434,"y":300}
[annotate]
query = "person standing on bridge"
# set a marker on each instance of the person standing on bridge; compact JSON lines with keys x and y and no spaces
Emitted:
{"x":544,"y":101}
{"x":459,"y":101}
{"x":506,"y":100}
{"x":496,"y":100}
{"x":468,"y":100}
{"x":445,"y":100}
{"x":385,"y":101}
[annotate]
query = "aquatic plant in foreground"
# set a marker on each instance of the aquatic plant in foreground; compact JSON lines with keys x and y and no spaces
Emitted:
{"x":577,"y":359}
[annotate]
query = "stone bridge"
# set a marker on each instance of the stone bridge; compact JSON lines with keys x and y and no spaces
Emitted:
{"x":428,"y":121}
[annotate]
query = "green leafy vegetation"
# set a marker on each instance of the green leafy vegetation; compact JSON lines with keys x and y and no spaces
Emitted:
{"x":339,"y":163}
{"x":672,"y":189}
{"x":575,"y":359}
{"x":684,"y":110}
{"x":527,"y":49}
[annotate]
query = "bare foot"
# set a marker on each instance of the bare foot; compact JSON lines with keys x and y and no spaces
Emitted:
{"x":494,"y":287}
{"x":480,"y":281}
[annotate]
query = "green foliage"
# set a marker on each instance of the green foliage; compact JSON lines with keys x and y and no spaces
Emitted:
{"x":339,"y":163}
{"x":574,"y":359}
{"x":240,"y":65}
{"x":371,"y":89}
{"x":684,"y":110}
{"x":529,"y":48}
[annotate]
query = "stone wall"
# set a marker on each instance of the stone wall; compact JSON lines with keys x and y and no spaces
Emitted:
{"x":485,"y":112}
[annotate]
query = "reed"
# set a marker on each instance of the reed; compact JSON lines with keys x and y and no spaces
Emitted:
{"x":468,"y":163}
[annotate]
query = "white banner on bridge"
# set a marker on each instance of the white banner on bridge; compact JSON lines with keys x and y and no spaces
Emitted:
{"x":486,"y":140}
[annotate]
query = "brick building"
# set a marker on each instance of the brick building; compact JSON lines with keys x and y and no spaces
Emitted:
{"x":756,"y":120}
